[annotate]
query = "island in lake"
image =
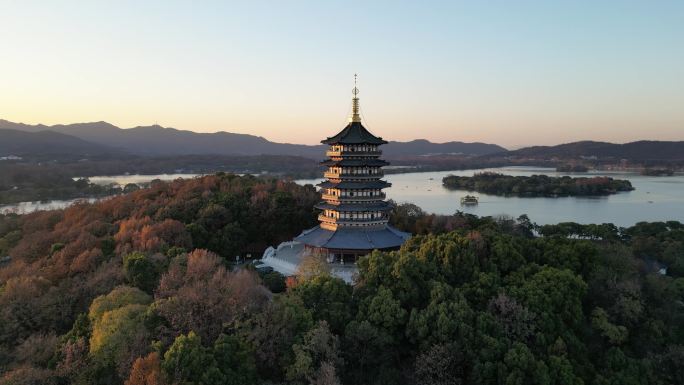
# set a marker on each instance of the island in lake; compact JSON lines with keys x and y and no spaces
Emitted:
{"x":572,"y":168}
{"x":657,"y":172}
{"x":536,"y":185}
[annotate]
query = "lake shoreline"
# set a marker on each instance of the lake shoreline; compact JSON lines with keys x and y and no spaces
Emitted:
{"x":655,"y":198}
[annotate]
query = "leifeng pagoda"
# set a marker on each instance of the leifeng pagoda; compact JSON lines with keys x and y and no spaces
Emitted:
{"x":354,"y":214}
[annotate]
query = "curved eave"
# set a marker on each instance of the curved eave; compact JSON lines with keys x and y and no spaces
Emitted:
{"x":355,"y":162}
{"x":354,"y":185}
{"x":355,"y":207}
{"x":354,"y":133}
{"x":386,"y":237}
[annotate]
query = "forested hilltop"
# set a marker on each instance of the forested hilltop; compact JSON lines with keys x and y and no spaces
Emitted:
{"x":141,"y":289}
{"x":536,"y":185}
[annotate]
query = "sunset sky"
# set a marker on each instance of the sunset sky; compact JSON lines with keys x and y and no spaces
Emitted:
{"x":507,"y":72}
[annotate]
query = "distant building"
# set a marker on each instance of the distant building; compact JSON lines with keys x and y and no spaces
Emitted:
{"x":354,"y":213}
{"x":11,"y":157}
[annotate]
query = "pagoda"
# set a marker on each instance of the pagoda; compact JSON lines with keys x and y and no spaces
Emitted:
{"x":354,"y":213}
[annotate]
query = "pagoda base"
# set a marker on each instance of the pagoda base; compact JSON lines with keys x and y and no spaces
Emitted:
{"x":287,"y":257}
{"x":347,"y":244}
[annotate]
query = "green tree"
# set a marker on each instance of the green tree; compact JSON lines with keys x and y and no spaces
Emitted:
{"x":235,"y":360}
{"x":369,"y":353}
{"x":319,"y":347}
{"x":118,"y":328}
{"x":555,"y":296}
{"x":272,"y":332}
{"x":447,"y":318}
{"x":385,"y":312}
{"x":328,"y":298}
{"x":140,"y":271}
{"x":274,"y":281}
{"x":522,"y":368}
{"x":187,"y":362}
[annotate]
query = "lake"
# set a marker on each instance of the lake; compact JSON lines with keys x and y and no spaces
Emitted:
{"x":29,"y":207}
{"x":654,"y":198}
{"x":123,"y":180}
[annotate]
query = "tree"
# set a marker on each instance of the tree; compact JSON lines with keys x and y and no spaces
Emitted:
{"x":369,"y":353}
{"x":312,"y":265}
{"x":385,"y":312}
{"x":440,"y":365}
{"x":140,"y":271}
{"x":517,"y":322}
{"x":147,"y":371}
{"x":199,"y":294}
{"x":447,"y":318}
{"x":319,"y":347}
{"x":235,"y":360}
{"x":522,"y":368}
{"x":27,"y":375}
{"x":555,"y":296}
{"x":188,"y":362}
{"x":37,"y":350}
{"x":273,"y":331}
{"x":616,"y":334}
{"x":329,"y":298}
{"x":118,"y":332}
{"x":274,"y":281}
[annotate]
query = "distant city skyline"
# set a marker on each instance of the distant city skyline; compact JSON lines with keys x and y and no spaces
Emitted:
{"x":509,"y":73}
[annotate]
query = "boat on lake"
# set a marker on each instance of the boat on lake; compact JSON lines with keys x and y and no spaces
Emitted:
{"x":469,"y":200}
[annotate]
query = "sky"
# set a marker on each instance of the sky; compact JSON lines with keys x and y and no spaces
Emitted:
{"x":514,"y":73}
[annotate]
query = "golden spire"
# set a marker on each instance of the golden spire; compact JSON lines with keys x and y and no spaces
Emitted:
{"x":355,"y":103}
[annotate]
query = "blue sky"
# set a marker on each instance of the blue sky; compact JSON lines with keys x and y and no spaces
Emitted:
{"x":508,"y":72}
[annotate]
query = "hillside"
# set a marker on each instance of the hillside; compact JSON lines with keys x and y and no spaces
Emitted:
{"x":159,"y":141}
{"x":141,"y":289}
{"x":20,"y":143}
{"x":636,"y":151}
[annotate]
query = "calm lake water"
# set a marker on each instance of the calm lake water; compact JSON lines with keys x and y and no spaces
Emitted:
{"x":655,"y":198}
{"x":122,"y":180}
{"x":29,"y":207}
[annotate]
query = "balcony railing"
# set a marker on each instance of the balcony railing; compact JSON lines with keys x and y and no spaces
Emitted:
{"x":334,"y":175}
{"x":347,"y":198}
{"x":335,"y":154}
{"x":378,"y":219}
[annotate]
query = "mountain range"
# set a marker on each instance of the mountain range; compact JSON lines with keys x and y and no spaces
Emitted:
{"x":643,"y":150}
{"x":162,"y":141}
{"x":102,"y":138}
{"x":15,"y":142}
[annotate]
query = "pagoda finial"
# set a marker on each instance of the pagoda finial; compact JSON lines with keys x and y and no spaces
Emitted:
{"x":355,"y":103}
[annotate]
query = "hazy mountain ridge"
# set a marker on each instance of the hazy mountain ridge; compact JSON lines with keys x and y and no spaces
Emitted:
{"x":643,"y":150}
{"x":15,"y":142}
{"x":99,"y":137}
{"x":157,"y":141}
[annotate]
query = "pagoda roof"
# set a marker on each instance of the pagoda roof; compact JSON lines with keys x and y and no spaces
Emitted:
{"x":349,"y":184}
{"x":354,"y":238}
{"x":354,"y":133}
{"x":377,"y":206}
{"x":355,"y":162}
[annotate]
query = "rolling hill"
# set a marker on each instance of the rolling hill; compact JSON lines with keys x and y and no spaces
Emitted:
{"x":644,"y":150}
{"x":14,"y":142}
{"x":161,"y":141}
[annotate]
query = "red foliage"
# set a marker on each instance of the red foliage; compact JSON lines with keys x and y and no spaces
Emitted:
{"x":204,"y":295}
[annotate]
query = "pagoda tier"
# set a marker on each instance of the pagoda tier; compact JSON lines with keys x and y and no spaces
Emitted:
{"x":354,"y":213}
{"x":352,"y":193}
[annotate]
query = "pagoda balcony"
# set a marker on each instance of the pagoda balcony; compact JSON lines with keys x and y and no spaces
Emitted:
{"x":350,"y":221}
{"x":334,"y":175}
{"x":360,"y":198}
{"x":337,"y":154}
